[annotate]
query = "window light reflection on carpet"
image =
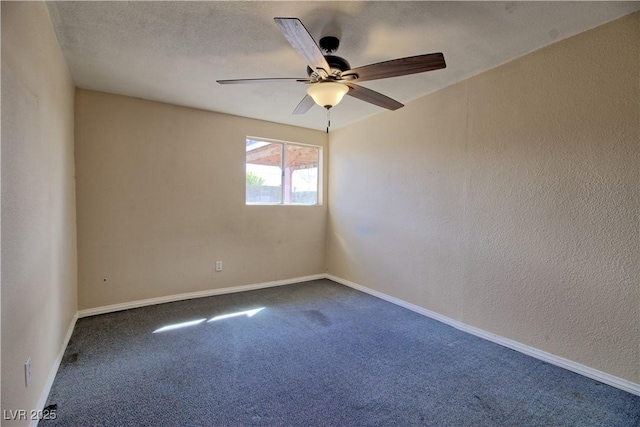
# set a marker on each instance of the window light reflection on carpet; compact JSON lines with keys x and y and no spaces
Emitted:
{"x":248,"y":313}
{"x":179,"y":325}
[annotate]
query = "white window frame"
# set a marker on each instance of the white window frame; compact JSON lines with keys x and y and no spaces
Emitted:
{"x":319,"y":199}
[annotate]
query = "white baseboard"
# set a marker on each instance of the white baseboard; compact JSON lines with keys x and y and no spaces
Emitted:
{"x":570,"y":365}
{"x":54,"y":369}
{"x":191,"y":295}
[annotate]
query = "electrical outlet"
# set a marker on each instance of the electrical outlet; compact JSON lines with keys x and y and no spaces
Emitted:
{"x":218,"y":265}
{"x":27,"y":372}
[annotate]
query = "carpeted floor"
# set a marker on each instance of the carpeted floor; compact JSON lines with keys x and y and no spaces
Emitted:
{"x":318,"y":353}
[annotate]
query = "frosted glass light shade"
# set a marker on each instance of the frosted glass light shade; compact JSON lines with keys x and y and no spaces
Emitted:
{"x":327,"y":94}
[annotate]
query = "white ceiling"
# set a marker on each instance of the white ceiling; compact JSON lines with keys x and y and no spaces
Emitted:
{"x":175,"y":51}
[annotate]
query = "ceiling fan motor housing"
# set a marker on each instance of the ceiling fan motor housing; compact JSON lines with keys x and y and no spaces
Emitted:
{"x":335,"y":62}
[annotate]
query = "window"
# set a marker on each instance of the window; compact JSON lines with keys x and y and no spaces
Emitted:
{"x":282,"y":172}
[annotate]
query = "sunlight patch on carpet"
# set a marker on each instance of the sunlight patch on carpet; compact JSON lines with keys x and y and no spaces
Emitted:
{"x":173,"y":326}
{"x":248,"y":313}
{"x":179,"y":325}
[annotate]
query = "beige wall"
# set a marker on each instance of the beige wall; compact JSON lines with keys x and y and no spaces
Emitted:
{"x":38,"y":202}
{"x":160,"y":194}
{"x":508,"y":201}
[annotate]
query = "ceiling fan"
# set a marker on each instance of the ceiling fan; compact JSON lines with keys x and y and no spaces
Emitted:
{"x":331,"y":77}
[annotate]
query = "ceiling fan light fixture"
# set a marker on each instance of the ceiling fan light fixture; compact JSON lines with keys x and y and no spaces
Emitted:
{"x":327,"y":94}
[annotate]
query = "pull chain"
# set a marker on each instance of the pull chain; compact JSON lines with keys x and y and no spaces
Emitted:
{"x":328,"y":119}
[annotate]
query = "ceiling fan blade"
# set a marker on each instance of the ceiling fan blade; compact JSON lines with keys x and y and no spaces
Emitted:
{"x":373,"y":97}
{"x":267,"y":80}
{"x":399,"y":67}
{"x":304,"y":105}
{"x":303,"y":43}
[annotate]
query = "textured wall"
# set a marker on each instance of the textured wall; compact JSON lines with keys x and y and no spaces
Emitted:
{"x":160,"y":195}
{"x":508,"y":201}
{"x":38,"y":202}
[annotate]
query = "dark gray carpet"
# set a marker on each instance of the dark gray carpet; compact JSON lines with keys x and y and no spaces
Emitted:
{"x":319,"y":353}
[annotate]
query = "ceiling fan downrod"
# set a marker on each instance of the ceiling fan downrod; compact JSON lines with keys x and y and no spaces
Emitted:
{"x":329,"y":44}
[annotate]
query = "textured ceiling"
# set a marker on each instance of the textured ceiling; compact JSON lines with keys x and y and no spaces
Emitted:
{"x":175,"y":51}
